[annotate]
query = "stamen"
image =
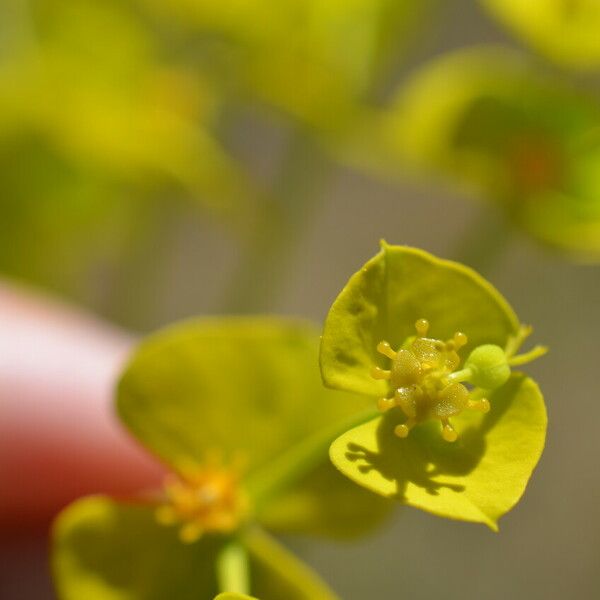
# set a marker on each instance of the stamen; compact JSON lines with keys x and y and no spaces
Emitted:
{"x":190,"y":533}
{"x":204,"y":499}
{"x":427,"y":383}
{"x":384,"y":404}
{"x":422,"y":382}
{"x":385,"y":349}
{"x":377,"y":373}
{"x":403,"y":429}
{"x":422,"y":327}
{"x":448,"y":432}
{"x":460,"y":340}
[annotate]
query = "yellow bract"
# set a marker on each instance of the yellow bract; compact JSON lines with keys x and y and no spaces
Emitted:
{"x":484,"y":472}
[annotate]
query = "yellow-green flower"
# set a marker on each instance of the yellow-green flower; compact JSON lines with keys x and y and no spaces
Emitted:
{"x":460,"y":434}
{"x":236,"y":410}
{"x":487,"y":121}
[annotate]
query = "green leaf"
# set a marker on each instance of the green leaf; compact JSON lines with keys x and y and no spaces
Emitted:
{"x":383,"y":300}
{"x":277,"y":574}
{"x":234,"y":596}
{"x":567,"y":32}
{"x":248,"y":386}
{"x":104,"y":550}
{"x":477,"y":478}
{"x":134,"y":128}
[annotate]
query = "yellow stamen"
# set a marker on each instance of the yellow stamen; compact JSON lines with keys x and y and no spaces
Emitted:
{"x":204,"y":499}
{"x":421,"y":381}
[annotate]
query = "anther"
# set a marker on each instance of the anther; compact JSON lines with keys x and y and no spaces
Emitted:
{"x":403,"y":429}
{"x":384,"y":404}
{"x":385,"y":349}
{"x":425,"y":383}
{"x":422,"y":327}
{"x":378,"y":373}
{"x":448,"y":432}
{"x":460,"y":340}
{"x":205,"y":499}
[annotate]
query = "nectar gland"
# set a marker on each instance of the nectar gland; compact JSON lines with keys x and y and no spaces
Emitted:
{"x":204,"y":499}
{"x":419,"y":380}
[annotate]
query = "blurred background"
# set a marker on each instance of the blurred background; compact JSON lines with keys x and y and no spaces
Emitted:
{"x":167,"y":158}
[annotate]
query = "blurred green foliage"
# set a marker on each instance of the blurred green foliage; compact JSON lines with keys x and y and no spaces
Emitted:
{"x":488,"y":121}
{"x":564,"y":30}
{"x":116,"y":115}
{"x":102,"y":131}
{"x":319,"y":61}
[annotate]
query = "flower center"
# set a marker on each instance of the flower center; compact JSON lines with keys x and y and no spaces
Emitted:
{"x":204,"y":499}
{"x":420,"y":381}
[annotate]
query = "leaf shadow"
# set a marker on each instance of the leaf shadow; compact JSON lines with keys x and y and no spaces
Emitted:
{"x":424,"y":456}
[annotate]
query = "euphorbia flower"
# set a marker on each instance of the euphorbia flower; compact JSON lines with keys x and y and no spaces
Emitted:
{"x":488,"y":121}
{"x":236,"y":410}
{"x":460,"y":434}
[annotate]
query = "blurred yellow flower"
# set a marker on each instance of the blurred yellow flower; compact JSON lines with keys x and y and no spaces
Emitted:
{"x":486,"y":120}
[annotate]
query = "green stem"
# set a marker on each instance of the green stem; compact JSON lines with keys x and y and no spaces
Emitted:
{"x":297,"y":462}
{"x":269,"y":554}
{"x":276,"y":229}
{"x":462,"y":375}
{"x":233,"y":572}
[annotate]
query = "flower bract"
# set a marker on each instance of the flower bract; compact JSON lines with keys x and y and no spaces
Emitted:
{"x":477,"y":466}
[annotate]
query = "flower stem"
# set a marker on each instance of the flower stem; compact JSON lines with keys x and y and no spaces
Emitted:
{"x":299,"y":460}
{"x":232,"y":569}
{"x":462,"y":375}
